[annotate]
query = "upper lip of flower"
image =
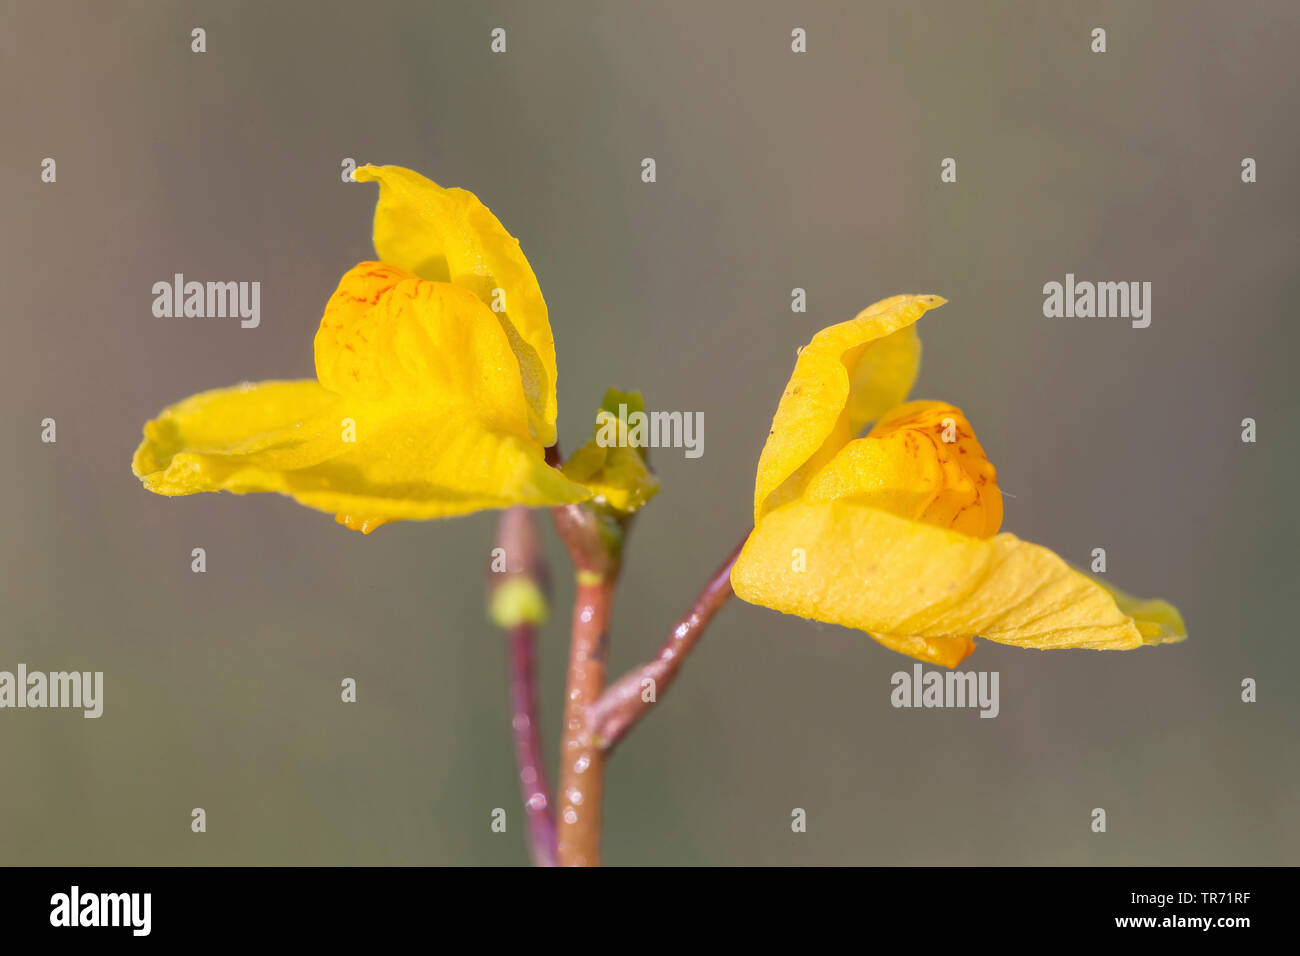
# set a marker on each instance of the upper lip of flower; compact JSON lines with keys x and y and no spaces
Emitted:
{"x":848,"y":375}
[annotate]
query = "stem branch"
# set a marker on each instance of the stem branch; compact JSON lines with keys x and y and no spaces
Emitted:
{"x":626,"y":701}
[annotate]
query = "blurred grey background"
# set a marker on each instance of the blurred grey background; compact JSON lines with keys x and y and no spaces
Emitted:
{"x":775,"y":171}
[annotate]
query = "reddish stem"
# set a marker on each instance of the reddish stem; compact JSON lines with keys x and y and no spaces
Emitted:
{"x":582,"y":765}
{"x":525,"y":726}
{"x":624,"y":703}
{"x":518,"y":537}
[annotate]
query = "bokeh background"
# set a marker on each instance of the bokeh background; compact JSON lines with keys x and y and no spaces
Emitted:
{"x":775,"y":171}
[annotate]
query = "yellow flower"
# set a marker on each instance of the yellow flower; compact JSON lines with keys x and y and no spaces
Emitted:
{"x":610,"y":464}
{"x":896,"y":532}
{"x":435,"y":383}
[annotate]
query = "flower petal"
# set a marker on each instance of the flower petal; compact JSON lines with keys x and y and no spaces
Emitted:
{"x":419,"y":413}
{"x":921,"y":461}
{"x":848,"y":375}
{"x":447,"y":235}
{"x":868,"y":569}
{"x":388,"y":336}
{"x":944,"y":651}
{"x":418,"y":464}
{"x":368,"y":461}
{"x":197,"y":444}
